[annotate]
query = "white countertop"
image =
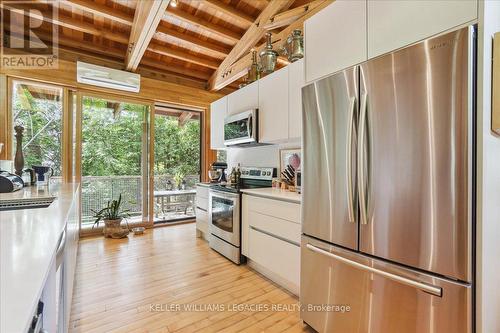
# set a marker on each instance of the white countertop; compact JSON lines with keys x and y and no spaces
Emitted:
{"x":28,"y":244}
{"x":274,"y":193}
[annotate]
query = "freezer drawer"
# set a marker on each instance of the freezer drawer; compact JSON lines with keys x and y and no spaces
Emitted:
{"x":382,"y":297}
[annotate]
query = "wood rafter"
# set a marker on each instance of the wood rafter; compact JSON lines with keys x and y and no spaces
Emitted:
{"x":168,"y":51}
{"x":71,"y":23}
{"x":249,"y":39}
{"x":229,"y":10}
{"x":194,"y":41}
{"x":146,"y":19}
{"x":184,"y":118}
{"x":101,"y":10}
{"x":204,"y":24}
{"x":286,"y":18}
{"x":149,"y":67}
{"x":238,"y":68}
{"x":153,"y":63}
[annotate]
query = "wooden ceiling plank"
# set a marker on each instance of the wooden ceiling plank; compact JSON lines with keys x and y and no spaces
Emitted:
{"x":204,"y":24}
{"x":287,"y":17}
{"x":239,"y":69}
{"x":71,"y":23}
{"x":101,"y":10}
{"x":146,"y":19}
{"x":229,"y":10}
{"x":165,"y":50}
{"x":249,"y":39}
{"x":207,"y":46}
{"x":153,"y":63}
{"x":166,"y":73}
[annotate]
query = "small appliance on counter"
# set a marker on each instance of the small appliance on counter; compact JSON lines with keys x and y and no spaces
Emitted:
{"x":10,"y":182}
{"x":224,"y":213}
{"x":217,"y":172}
{"x":43,"y":174}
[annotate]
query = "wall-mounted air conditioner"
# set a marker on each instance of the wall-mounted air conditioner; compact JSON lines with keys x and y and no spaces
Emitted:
{"x":107,"y":77}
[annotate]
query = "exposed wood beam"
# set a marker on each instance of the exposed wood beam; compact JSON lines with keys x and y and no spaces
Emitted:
{"x":239,"y":68}
{"x":157,"y":70}
{"x":229,"y":10}
{"x":168,"y":51}
{"x":204,"y":24}
{"x":71,"y":23}
{"x":286,"y":18}
{"x":193,"y":41}
{"x":155,"y":64}
{"x":101,"y":10}
{"x":146,"y":19}
{"x":249,"y":39}
{"x":184,"y":118}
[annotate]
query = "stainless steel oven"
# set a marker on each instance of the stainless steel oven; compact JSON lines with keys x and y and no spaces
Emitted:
{"x":224,"y":223}
{"x":241,"y":128}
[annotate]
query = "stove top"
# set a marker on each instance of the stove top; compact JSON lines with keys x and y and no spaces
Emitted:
{"x":233,"y":188}
{"x":251,"y":177}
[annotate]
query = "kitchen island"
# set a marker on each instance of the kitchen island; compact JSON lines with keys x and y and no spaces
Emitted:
{"x":29,"y":240}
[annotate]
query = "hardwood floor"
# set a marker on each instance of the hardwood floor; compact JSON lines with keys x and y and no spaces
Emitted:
{"x":147,"y":283}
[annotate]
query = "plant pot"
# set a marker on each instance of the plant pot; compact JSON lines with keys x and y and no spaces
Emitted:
{"x":113,"y":229}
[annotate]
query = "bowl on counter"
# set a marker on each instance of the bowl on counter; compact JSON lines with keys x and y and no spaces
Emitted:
{"x":138,"y":230}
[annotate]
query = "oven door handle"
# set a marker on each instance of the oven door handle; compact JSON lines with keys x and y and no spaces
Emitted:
{"x":224,"y":195}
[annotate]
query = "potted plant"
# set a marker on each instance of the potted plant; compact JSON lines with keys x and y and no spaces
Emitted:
{"x":112,"y":216}
{"x":178,"y":178}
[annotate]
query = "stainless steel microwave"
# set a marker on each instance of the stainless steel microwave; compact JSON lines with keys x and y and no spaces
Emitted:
{"x":241,"y":128}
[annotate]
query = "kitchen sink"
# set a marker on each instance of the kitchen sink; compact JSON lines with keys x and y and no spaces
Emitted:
{"x":28,"y":203}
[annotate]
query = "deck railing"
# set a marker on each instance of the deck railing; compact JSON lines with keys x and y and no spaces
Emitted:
{"x":98,"y":190}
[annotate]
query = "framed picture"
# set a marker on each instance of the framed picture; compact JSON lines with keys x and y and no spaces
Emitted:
{"x":291,"y":157}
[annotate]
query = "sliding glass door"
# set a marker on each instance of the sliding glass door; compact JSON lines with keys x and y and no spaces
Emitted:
{"x":177,"y":158}
{"x":113,"y":157}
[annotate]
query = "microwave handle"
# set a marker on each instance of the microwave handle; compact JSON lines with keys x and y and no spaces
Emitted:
{"x":250,"y":126}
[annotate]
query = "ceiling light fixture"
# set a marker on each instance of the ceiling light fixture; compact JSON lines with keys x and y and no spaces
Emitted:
{"x":173,"y":3}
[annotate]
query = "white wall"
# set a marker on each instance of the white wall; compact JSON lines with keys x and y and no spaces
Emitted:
{"x":260,"y":156}
{"x":488,"y":194}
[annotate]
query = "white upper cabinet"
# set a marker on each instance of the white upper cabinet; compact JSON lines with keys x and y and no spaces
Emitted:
{"x":218,"y":111}
{"x":395,"y":24}
{"x":335,"y":38}
{"x":273,"y":107}
{"x":295,"y":84}
{"x":243,"y":99}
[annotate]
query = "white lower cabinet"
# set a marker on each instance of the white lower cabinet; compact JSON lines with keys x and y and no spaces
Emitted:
{"x":201,"y":211}
{"x":279,"y":257}
{"x":271,"y":239}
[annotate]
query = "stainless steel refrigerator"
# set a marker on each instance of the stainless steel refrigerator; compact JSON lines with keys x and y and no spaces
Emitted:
{"x":388,"y":192}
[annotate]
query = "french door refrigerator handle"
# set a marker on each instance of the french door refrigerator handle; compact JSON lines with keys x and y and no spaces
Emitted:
{"x":362,"y":160}
{"x":350,"y":190}
{"x":436,"y":291}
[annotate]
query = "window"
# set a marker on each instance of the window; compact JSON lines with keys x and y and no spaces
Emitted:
{"x":38,"y":109}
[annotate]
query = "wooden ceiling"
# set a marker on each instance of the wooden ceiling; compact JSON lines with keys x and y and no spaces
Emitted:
{"x":197,"y":41}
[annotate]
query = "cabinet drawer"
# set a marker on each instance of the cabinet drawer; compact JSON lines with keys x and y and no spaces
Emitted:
{"x":275,"y":208}
{"x":202,"y":203}
{"x":277,"y":256}
{"x":201,"y":220}
{"x":202,"y":191}
{"x":276,"y":226}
